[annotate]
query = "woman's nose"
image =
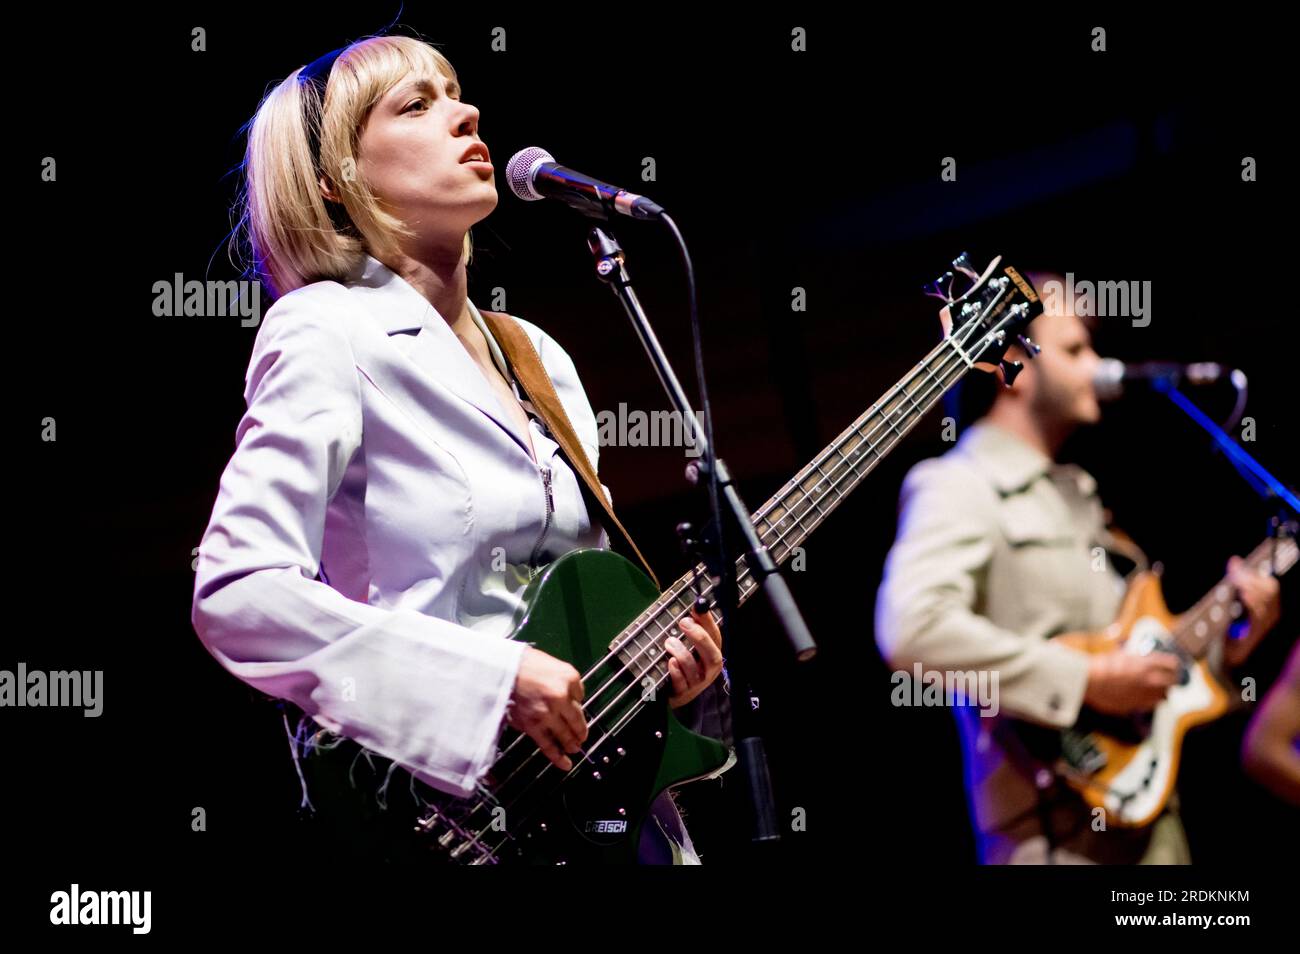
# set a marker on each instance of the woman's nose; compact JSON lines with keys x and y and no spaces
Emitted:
{"x":469,"y":121}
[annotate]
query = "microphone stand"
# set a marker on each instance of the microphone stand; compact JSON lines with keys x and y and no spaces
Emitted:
{"x":1251,"y":470}
{"x":751,"y":752}
{"x":1260,"y":480}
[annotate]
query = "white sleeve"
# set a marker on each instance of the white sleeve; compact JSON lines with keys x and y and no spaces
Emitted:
{"x":425,"y":692}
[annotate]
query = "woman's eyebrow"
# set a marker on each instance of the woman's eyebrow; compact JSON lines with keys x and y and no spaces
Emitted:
{"x":425,"y":84}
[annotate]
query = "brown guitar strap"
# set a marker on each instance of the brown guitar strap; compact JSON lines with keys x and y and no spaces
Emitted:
{"x":527,"y":366}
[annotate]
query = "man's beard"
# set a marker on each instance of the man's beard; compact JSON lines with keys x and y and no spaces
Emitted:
{"x":1056,"y":407}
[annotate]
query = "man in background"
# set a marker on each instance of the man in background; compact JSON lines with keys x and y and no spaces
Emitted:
{"x":994,"y":555}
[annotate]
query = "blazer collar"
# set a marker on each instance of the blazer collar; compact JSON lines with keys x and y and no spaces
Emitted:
{"x":1013,"y":465}
{"x":1009,"y":462}
{"x":400,"y":309}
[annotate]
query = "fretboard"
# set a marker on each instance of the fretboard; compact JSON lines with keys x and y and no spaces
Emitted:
{"x":1209,"y":619}
{"x":812,"y":495}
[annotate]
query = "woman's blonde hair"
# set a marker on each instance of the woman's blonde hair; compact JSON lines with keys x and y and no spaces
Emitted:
{"x":290,"y":234}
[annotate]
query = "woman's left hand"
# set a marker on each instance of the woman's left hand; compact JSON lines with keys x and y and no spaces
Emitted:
{"x":692,"y":675}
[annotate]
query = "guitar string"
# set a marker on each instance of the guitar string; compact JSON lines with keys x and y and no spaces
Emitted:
{"x":923,"y":368}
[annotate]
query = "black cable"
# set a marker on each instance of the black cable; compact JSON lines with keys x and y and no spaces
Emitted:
{"x":706,"y":411}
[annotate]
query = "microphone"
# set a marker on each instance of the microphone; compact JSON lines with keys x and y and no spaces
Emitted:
{"x":534,"y":174}
{"x":1112,"y":374}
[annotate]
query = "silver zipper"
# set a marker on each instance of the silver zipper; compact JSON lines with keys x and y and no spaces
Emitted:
{"x":545,"y":472}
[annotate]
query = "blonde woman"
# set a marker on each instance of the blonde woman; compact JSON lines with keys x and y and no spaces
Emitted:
{"x":386,"y":469}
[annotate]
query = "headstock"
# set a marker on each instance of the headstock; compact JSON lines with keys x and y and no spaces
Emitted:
{"x":989,"y":315}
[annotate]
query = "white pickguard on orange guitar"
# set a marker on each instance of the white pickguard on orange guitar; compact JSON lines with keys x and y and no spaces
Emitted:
{"x":1128,"y":766}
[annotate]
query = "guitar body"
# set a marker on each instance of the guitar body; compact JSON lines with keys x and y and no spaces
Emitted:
{"x":1138,"y":756}
{"x":576,"y":608}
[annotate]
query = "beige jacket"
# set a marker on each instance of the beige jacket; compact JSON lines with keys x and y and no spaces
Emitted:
{"x":999,"y":549}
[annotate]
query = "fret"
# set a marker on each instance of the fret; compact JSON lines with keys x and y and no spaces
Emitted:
{"x":792,"y":519}
{"x":890,"y":422}
{"x":789,"y":541}
{"x":831,"y":482}
{"x":937,"y":383}
{"x":870,"y":465}
{"x":784,"y":523}
{"x":916,"y":408}
{"x":871,"y":447}
{"x":899,"y":434}
{"x":845,"y":460}
{"x":797,"y":530}
{"x":812,"y":480}
{"x":845,"y":449}
{"x":793,"y":513}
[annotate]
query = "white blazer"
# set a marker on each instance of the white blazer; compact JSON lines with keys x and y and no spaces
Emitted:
{"x":377,"y":521}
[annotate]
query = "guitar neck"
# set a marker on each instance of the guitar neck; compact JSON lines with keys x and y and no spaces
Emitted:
{"x":1210,"y":618}
{"x":813,"y":494}
{"x":787,"y":518}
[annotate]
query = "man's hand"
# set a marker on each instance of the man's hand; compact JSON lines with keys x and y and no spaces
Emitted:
{"x":1260,"y":594}
{"x":1120,"y":683}
{"x":692,"y":675}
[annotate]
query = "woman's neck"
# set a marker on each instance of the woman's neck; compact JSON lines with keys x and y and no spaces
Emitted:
{"x":437,"y":271}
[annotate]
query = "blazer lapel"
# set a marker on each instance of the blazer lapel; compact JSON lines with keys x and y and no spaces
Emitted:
{"x":433,"y":347}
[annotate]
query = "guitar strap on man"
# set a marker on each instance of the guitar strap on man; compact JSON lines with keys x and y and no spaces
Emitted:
{"x":526,"y":364}
{"x":1047,"y":789}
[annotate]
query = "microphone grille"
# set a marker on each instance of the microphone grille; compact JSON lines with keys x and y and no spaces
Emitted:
{"x":520,"y":170}
{"x":1108,"y":381}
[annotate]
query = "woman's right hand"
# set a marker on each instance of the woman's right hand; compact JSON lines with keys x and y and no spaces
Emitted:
{"x":547,"y":706}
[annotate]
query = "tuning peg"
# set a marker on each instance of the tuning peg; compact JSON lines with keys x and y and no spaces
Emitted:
{"x":686,"y":537}
{"x":1031,"y":349}
{"x":940,"y":288}
{"x":963,"y":264}
{"x":1010,"y":369}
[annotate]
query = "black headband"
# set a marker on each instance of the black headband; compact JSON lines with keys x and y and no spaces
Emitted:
{"x":315,"y":75}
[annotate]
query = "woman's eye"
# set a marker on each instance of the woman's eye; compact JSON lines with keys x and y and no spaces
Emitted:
{"x":414,"y":102}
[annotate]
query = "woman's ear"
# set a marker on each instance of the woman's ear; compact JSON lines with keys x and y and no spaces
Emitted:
{"x":327,"y":189}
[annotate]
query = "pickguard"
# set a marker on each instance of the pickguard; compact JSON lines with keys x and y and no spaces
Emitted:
{"x":1140,"y":787}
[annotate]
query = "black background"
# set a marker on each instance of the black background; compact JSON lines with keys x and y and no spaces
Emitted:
{"x":818,"y":170}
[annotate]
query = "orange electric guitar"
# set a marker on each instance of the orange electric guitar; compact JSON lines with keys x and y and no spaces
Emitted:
{"x":1128,"y":765}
